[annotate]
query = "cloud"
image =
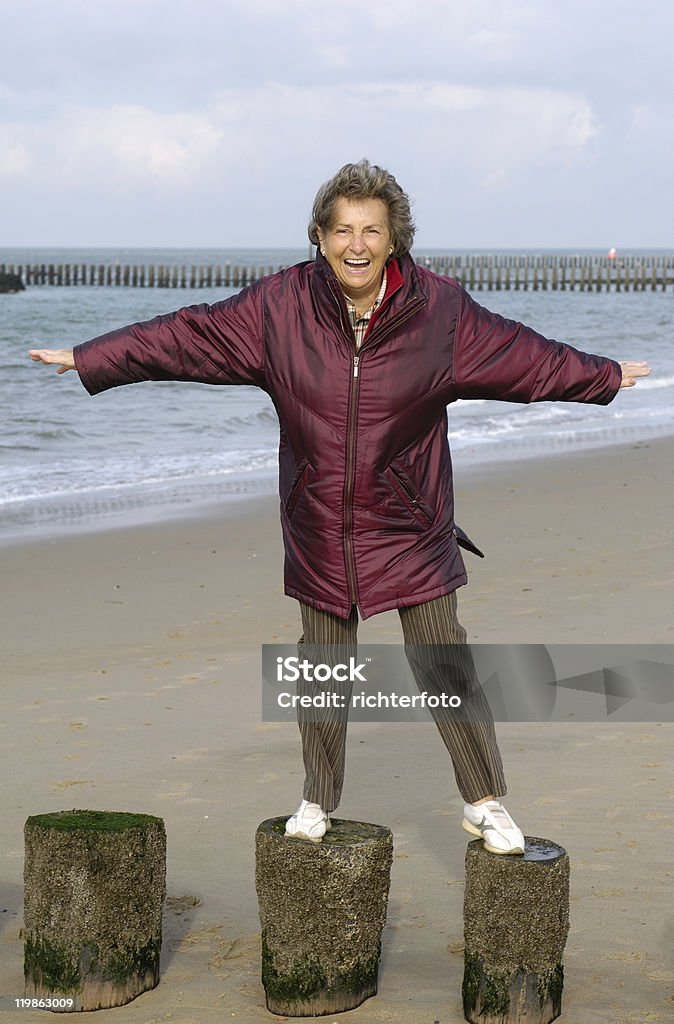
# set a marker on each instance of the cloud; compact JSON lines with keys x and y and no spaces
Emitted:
{"x":14,"y":156}
{"x":132,"y":147}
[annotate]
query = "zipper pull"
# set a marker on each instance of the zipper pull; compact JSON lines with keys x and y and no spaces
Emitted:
{"x":356,"y":360}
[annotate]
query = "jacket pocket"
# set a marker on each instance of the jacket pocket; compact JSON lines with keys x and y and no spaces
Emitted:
{"x":406,"y":490}
{"x":298,"y":486}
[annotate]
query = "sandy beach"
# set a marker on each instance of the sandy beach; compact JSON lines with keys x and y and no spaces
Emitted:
{"x":131,"y":681}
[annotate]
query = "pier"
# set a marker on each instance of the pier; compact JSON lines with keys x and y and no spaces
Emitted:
{"x":492,"y":272}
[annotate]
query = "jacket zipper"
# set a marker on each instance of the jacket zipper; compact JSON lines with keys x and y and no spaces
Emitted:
{"x":296,"y":489}
{"x":413,"y":499}
{"x":350,"y":456}
{"x":404,"y":315}
{"x":348,"y":489}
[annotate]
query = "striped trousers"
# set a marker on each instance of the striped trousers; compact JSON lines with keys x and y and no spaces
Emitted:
{"x":471,"y":740}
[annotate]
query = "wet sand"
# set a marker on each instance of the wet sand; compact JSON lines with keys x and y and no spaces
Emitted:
{"x":130,"y":680}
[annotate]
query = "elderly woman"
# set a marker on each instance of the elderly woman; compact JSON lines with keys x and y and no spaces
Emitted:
{"x":361,"y":351}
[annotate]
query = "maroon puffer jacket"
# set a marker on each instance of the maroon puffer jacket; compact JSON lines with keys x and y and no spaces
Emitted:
{"x":365,"y":474}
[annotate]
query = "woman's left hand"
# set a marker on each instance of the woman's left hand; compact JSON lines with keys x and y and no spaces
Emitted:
{"x":63,"y":357}
{"x":631,"y":371}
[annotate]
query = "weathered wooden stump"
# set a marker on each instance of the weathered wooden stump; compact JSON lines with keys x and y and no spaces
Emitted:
{"x":10,"y":282}
{"x":95,"y":883}
{"x":322,"y":912}
{"x":516,"y":920}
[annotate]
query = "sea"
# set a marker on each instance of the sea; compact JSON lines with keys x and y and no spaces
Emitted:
{"x":159,"y":450}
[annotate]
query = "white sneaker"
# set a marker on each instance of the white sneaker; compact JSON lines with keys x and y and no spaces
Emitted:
{"x":490,"y":821}
{"x":308,"y":822}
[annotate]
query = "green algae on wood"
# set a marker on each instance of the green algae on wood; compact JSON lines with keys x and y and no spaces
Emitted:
{"x":90,"y":821}
{"x":516,"y":921}
{"x":95,"y":884}
{"x":322,"y":911}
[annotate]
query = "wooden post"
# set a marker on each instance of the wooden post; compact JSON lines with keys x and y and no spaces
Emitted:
{"x":94,"y":892}
{"x":516,"y":920}
{"x":322,"y":912}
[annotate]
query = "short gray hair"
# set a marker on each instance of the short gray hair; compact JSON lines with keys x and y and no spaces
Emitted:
{"x":365,"y":181}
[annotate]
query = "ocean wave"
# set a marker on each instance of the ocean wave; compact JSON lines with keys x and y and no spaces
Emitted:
{"x":60,"y":483}
{"x":656,"y":383}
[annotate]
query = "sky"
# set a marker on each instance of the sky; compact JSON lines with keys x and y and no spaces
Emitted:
{"x":212,"y":123}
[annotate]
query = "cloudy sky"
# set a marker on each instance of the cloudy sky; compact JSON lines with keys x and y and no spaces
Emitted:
{"x":522,"y":123}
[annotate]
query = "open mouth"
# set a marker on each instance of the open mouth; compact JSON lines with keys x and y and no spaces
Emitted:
{"x":357,"y":264}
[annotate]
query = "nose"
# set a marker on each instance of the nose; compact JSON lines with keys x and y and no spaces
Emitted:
{"x":357,"y":243}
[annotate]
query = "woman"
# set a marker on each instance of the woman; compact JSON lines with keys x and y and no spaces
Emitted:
{"x":361,"y":351}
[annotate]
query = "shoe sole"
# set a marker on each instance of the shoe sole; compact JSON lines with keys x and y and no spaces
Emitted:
{"x":469,"y":827}
{"x":303,"y":835}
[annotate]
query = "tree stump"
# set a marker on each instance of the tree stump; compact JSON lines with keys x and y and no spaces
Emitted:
{"x":322,"y":912}
{"x":95,"y":883}
{"x":516,"y":920}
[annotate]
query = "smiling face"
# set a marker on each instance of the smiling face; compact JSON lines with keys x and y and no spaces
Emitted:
{"x":357,"y":245}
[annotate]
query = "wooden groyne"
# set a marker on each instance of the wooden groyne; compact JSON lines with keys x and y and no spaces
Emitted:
{"x":491,"y":272}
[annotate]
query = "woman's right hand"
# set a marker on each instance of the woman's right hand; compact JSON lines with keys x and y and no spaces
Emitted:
{"x":61,"y":356}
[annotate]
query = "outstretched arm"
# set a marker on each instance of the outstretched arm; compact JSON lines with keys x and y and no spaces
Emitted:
{"x":63,"y":357}
{"x":501,"y":359}
{"x":211,"y":344}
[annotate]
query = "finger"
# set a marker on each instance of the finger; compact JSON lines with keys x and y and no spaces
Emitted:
{"x":641,"y":368}
{"x":43,"y":355}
